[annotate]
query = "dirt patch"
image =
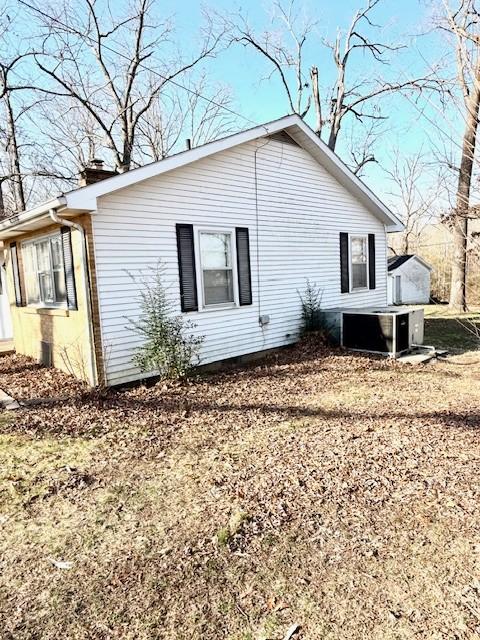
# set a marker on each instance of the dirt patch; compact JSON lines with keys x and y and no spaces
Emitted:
{"x":332,"y":491}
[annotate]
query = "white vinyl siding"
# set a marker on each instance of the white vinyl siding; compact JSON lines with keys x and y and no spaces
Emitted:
{"x":301,"y":211}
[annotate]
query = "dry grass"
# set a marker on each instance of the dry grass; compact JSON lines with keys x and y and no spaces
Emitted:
{"x":334,"y":491}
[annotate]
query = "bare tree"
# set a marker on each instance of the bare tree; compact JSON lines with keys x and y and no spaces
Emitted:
{"x":207,"y":120}
{"x":358,"y":99}
{"x":282,"y":48}
{"x":464,"y":24}
{"x":413,"y":196}
{"x":201,"y":113}
{"x":9,"y":84}
{"x":19,"y":99}
{"x":109,"y":65}
{"x":360,"y":144}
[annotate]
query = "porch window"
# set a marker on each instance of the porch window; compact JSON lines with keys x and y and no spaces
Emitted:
{"x":358,"y":262}
{"x":44,"y":271}
{"x":217,"y":268}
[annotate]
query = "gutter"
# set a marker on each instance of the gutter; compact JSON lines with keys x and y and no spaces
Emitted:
{"x":87,"y":292}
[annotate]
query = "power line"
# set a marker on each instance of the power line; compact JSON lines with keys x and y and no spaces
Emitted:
{"x":122,"y":55}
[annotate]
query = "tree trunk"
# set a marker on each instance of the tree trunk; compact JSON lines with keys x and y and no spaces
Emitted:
{"x":334,"y":131}
{"x":126,"y":152}
{"x":3,"y":213}
{"x":14,"y":157}
{"x":458,"y":284}
{"x":316,"y":100}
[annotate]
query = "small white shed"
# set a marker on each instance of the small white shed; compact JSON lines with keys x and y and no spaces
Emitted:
{"x":408,"y":280}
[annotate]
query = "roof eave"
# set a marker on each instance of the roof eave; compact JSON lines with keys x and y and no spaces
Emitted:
{"x":30,"y":219}
{"x":85,"y":198}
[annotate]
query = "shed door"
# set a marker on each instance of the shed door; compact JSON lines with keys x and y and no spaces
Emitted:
{"x":6,"y":332}
{"x":398,"y":290}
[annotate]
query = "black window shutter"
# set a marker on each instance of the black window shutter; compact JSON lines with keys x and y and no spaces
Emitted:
{"x":371,"y":261}
{"x":69,"y":268}
{"x":344,"y":272}
{"x":243,"y":266}
{"x":16,"y":275}
{"x":186,"y":267}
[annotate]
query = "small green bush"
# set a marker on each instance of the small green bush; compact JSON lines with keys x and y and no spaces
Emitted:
{"x":168,"y":347}
{"x":311,"y":306}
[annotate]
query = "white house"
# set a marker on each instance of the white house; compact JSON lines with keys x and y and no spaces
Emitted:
{"x":239,"y":224}
{"x":408,"y":280}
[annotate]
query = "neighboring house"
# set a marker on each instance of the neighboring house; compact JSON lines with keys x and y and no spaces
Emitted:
{"x":239,"y":225}
{"x":6,"y":331}
{"x":408,"y":280}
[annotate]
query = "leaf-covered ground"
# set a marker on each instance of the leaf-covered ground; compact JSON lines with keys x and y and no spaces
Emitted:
{"x":335,"y":492}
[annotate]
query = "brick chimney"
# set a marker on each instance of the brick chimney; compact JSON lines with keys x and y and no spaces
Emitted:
{"x":94,"y":173}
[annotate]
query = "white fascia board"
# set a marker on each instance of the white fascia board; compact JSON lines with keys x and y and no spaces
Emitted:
{"x":17,"y":222}
{"x":86,"y":198}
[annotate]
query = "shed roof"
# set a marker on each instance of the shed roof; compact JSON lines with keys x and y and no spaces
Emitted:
{"x":396,"y":261}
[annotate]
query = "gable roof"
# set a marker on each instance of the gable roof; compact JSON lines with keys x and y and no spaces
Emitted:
{"x":84,"y":199}
{"x":396,"y":261}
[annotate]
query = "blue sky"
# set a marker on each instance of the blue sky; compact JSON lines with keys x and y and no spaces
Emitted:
{"x":407,"y":21}
{"x":413,"y":122}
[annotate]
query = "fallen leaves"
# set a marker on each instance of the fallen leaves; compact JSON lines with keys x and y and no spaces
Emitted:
{"x":340,"y":492}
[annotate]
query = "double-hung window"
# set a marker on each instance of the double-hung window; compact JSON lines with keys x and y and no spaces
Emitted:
{"x":216,"y":263}
{"x":358,"y":262}
{"x":44,"y":271}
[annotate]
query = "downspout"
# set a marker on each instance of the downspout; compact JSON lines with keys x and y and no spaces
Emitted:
{"x":86,"y":285}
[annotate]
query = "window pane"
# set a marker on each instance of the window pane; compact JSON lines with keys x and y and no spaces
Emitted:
{"x":359,"y":250}
{"x":215,"y":250}
{"x":218,"y":286}
{"x":31,"y":278}
{"x":57,"y":257}
{"x":59,"y":281}
{"x":359,"y":276}
{"x":46,"y":287}
{"x":43,"y":255}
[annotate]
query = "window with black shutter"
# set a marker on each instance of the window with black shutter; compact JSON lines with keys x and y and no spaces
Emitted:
{"x":224,"y":272}
{"x":357,"y":262}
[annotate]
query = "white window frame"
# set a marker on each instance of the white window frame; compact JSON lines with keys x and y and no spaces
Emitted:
{"x":351,"y":237}
{"x":202,"y":307}
{"x":41,"y":304}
